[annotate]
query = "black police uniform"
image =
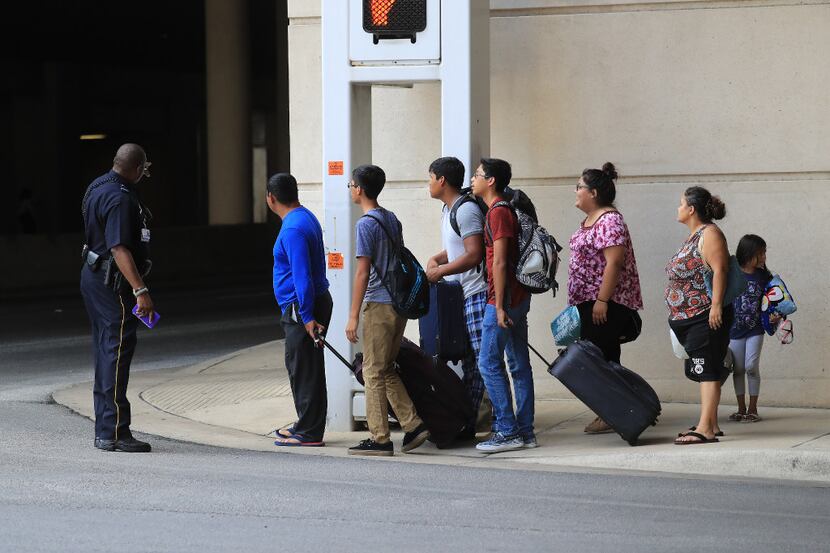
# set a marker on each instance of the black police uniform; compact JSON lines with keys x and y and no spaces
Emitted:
{"x":113,"y":215}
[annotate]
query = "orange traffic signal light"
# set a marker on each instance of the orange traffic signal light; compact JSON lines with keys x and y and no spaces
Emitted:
{"x":385,"y":19}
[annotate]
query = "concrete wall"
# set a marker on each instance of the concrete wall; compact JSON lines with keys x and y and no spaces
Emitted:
{"x":730,"y":95}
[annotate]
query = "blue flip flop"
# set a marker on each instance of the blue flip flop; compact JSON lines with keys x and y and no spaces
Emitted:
{"x":290,"y":430}
{"x":302,"y":441}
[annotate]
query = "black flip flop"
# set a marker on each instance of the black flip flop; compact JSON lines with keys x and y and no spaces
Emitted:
{"x":718,"y":434}
{"x":701,"y":439}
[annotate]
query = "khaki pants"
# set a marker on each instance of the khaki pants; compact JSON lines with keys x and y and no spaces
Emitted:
{"x":382,"y":333}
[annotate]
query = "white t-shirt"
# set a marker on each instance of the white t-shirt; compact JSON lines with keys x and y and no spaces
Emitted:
{"x":470,"y":221}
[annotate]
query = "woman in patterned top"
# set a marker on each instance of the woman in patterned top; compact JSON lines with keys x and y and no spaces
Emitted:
{"x":701,"y":321}
{"x":603,"y":282}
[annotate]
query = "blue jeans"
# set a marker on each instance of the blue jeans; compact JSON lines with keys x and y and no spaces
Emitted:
{"x":495,"y":342}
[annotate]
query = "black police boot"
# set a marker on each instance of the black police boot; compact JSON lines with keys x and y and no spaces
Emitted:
{"x":128,"y":445}
{"x":106,"y":445}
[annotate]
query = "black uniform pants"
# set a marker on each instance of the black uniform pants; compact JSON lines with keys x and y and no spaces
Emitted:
{"x":306,"y":368}
{"x":606,"y":336}
{"x":113,"y":345}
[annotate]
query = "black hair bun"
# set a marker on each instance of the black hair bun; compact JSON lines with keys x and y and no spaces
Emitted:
{"x":716,"y":208}
{"x":609,"y":169}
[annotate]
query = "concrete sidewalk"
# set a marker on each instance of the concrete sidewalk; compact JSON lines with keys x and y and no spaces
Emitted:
{"x":237,"y":401}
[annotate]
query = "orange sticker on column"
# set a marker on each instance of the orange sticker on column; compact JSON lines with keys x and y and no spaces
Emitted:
{"x":335,"y":260}
{"x":335,"y":168}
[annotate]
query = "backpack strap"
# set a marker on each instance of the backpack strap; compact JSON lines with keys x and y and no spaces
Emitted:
{"x":454,"y":212}
{"x":500,"y":203}
{"x":396,"y":245}
{"x":382,"y":226}
{"x":508,"y":301}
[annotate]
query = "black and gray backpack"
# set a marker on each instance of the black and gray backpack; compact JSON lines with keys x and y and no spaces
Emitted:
{"x":538,"y":259}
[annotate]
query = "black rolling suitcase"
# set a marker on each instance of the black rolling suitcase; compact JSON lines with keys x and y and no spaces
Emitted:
{"x":444,"y":328}
{"x":619,"y":396}
{"x":439,"y":396}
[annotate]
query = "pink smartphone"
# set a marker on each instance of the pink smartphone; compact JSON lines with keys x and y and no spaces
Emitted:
{"x":149,"y":322}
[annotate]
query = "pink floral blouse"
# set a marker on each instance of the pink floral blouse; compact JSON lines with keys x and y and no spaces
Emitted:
{"x":587,"y":262}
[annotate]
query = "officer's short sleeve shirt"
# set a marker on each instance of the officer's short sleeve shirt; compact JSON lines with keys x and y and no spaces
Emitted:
{"x":113,"y":216}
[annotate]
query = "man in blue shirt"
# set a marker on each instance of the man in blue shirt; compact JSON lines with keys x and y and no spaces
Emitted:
{"x":302,"y":292}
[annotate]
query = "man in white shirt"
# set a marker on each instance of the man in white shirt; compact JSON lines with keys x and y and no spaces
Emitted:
{"x":461,"y":259}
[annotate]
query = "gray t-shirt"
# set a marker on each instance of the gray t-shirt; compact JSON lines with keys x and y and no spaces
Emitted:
{"x":470,"y":221}
{"x":373,"y":243}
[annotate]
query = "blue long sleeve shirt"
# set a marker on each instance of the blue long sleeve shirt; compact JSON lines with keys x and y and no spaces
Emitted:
{"x":299,"y":262}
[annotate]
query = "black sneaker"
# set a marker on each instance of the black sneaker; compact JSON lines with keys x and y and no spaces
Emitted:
{"x":371,"y":447}
{"x":128,"y":445}
{"x":413,"y":439}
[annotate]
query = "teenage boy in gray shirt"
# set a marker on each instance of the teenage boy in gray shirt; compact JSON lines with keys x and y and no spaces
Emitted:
{"x":461,"y":260}
{"x":379,"y":234}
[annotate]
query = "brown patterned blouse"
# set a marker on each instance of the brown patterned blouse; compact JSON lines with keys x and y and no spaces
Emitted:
{"x":686,"y":294}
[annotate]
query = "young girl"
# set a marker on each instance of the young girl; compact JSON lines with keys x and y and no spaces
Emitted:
{"x":747,"y":335}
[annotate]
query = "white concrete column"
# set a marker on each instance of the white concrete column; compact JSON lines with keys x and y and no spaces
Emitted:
{"x":465,"y":82}
{"x":228,"y":112}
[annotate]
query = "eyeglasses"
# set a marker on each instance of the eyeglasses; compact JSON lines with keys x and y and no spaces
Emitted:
{"x":349,"y":185}
{"x":145,"y":171}
{"x":479,"y":175}
{"x":580,"y":186}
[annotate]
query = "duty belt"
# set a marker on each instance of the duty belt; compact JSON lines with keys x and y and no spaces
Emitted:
{"x":92,"y":259}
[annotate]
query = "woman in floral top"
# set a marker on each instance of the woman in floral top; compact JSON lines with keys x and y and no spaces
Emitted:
{"x":698,"y":317}
{"x":603,"y":282}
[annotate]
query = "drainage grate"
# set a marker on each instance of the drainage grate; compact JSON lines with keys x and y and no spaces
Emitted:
{"x":203,"y":391}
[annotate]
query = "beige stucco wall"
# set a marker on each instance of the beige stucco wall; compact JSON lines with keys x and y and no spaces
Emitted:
{"x":731,"y":95}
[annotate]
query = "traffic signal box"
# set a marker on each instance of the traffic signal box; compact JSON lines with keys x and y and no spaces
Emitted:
{"x":394,"y":19}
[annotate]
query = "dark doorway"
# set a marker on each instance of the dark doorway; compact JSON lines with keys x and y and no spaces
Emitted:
{"x":113,"y":72}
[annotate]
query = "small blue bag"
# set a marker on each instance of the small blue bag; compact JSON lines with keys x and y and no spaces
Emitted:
{"x":566,"y":327}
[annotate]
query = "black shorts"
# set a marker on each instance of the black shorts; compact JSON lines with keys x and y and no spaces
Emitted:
{"x":706,"y":347}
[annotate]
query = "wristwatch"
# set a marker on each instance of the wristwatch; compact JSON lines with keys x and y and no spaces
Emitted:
{"x":139,"y":291}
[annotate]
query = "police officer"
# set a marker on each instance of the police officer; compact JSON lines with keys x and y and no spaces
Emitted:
{"x":116,"y":261}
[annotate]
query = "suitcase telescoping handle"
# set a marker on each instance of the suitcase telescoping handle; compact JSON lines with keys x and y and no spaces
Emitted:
{"x":545,"y":361}
{"x":321,"y":340}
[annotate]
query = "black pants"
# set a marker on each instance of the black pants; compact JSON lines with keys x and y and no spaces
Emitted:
{"x":113,"y":345}
{"x":306,"y":369}
{"x":606,"y":336}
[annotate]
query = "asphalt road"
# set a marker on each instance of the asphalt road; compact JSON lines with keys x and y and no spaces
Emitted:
{"x":59,"y":494}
